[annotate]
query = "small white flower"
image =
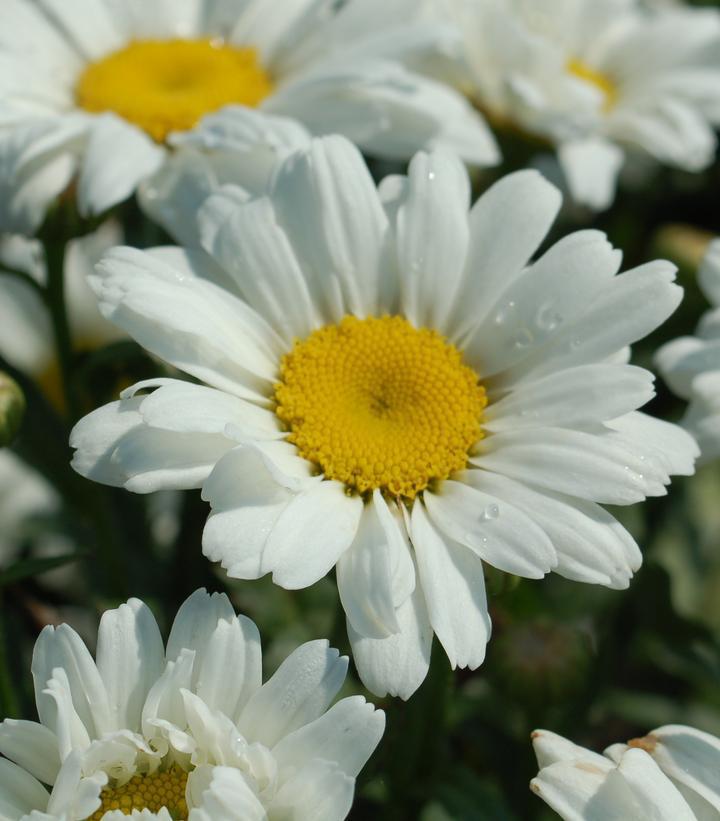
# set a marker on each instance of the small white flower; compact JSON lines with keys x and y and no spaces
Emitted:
{"x":597,"y":78}
{"x":395,"y":389}
{"x":669,"y":775}
{"x":691,"y":364}
{"x":100,"y":91}
{"x":192,"y":721}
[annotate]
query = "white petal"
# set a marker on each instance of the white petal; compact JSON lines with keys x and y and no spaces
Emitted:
{"x":653,"y":791}
{"x":591,"y":545}
{"x":32,"y":746}
{"x":365,"y":574}
{"x":591,"y":167}
{"x":246,"y":501}
{"x":320,"y":791}
{"x":95,"y":438}
{"x":690,"y":757}
{"x":432,"y":236}
{"x":88,"y":25}
{"x":496,"y":531}
{"x":228,"y":796}
{"x":568,"y":398}
{"x":346,"y":735}
{"x":164,"y":702}
{"x":299,"y":692}
{"x":74,"y":794}
{"x":187,"y":408}
{"x":116,"y":158}
{"x":229,"y":669}
{"x":659,"y":443}
{"x":589,"y":466}
{"x":187,"y":321}
{"x":507,"y":224}
{"x":453,"y":584}
{"x":311,"y":534}
{"x":195,"y":621}
{"x":550,"y":748}
{"x":62,"y":648}
{"x":398,"y":664}
{"x":130,"y":658}
{"x":633,"y":304}
{"x":709,"y":273}
{"x":20,"y":793}
{"x":247,"y":241}
{"x":537,"y":305}
{"x":329,"y":206}
{"x":153,"y":459}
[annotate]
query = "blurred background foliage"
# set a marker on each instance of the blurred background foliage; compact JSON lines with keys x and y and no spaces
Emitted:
{"x":596,"y":665}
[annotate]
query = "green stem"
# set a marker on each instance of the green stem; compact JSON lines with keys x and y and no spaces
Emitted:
{"x":9,"y":705}
{"x":55,"y":296}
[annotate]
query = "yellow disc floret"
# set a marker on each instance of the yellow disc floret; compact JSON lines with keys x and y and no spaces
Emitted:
{"x":596,"y":78}
{"x":377,"y":403}
{"x":147,"y":792}
{"x":168,"y":85}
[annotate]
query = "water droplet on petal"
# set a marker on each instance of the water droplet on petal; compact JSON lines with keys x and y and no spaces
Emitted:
{"x":547,"y":318}
{"x":490,"y":512}
{"x":523,"y":339}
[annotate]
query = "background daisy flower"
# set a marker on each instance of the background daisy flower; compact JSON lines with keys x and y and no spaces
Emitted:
{"x":668,"y":775}
{"x":95,"y":93}
{"x":184,"y":731}
{"x":600,"y":79}
{"x":390,"y":386}
{"x":691,"y":364}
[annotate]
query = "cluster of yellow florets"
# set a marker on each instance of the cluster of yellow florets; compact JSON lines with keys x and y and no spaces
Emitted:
{"x":163,"y":86}
{"x":147,"y":792}
{"x":377,"y":403}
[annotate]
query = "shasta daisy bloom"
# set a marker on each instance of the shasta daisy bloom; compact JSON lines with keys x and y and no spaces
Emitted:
{"x":99,"y":92}
{"x":390,"y":386}
{"x":691,"y":364}
{"x":668,"y":775}
{"x":599,"y":79}
{"x":187,"y":731}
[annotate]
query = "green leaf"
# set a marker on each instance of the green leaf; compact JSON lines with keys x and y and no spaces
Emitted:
{"x":34,"y":567}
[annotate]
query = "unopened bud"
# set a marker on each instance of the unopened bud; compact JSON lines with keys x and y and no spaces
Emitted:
{"x":12,"y":409}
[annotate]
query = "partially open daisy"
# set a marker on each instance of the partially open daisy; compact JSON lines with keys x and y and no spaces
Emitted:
{"x":98,"y":92}
{"x":395,"y":390}
{"x":184,"y":732}
{"x":668,"y":775}
{"x":691,"y":364}
{"x":598,"y":78}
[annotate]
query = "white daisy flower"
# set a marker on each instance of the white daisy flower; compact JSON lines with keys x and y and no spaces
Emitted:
{"x":598,"y":78}
{"x":691,"y":364}
{"x":188,"y":731}
{"x":669,"y":775}
{"x":390,"y":386}
{"x":98,"y":91}
{"x":26,"y":335}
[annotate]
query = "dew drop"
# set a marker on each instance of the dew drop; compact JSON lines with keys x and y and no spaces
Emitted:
{"x":490,"y":512}
{"x":502,"y":315}
{"x":522,"y":339}
{"x":547,"y":318}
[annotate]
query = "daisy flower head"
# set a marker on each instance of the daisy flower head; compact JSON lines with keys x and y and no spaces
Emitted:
{"x":691,"y":364}
{"x":598,"y":79}
{"x":98,"y":92}
{"x":668,"y":775}
{"x":187,"y":730}
{"x":389,"y":385}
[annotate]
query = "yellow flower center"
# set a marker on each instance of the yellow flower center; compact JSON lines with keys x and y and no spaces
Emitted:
{"x":147,"y":792}
{"x":596,"y":78}
{"x":377,"y":403}
{"x":168,"y":85}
